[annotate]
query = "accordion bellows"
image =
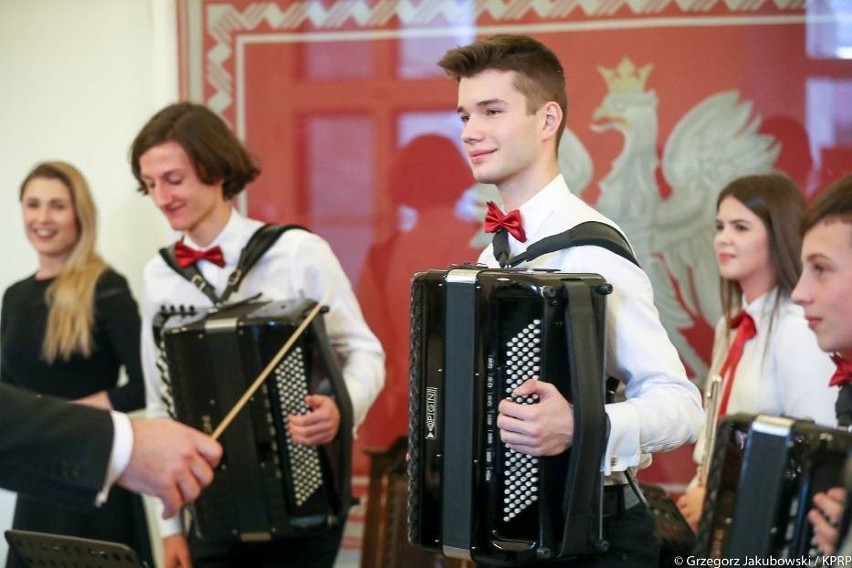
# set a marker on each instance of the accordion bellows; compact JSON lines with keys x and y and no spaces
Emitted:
{"x":267,"y":486}
{"x":476,"y":335}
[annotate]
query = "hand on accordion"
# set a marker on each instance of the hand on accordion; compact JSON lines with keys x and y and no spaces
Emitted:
{"x":691,"y":504}
{"x":543,"y":428}
{"x":320,"y":425}
{"x":826,"y":516}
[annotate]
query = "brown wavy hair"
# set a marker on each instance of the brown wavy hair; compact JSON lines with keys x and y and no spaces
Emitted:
{"x":213,"y":149}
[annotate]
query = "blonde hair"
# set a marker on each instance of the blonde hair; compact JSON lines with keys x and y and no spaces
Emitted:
{"x":71,"y":296}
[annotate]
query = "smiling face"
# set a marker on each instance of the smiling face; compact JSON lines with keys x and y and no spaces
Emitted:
{"x":190,"y":205}
{"x":506,"y":145}
{"x":825,"y":287}
{"x":50,"y":220}
{"x":742,"y":248}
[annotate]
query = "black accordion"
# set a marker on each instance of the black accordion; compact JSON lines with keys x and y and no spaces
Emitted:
{"x":266,"y":487}
{"x":763,"y":475}
{"x":476,"y":335}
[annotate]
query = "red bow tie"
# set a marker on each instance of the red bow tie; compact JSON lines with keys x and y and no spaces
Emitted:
{"x":843,"y":375}
{"x":496,"y":220}
{"x":186,"y":256}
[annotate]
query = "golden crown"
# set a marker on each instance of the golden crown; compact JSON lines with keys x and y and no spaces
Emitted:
{"x":626,"y":78}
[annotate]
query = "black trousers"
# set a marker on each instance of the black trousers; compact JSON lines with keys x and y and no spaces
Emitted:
{"x":317,"y":551}
{"x":631,"y":543}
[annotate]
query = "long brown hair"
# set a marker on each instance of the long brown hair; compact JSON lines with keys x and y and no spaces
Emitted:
{"x":71,"y":296}
{"x":777,"y":202}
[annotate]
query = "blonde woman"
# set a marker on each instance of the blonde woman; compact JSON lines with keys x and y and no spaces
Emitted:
{"x":67,"y":331}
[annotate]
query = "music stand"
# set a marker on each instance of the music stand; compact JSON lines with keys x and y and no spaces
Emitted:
{"x":43,"y":549}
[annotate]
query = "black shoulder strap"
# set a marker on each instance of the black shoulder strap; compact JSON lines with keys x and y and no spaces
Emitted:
{"x":588,"y":233}
{"x":255,"y":248}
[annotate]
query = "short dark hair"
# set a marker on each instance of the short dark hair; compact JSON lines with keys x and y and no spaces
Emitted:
{"x":215,"y":152}
{"x":832,"y":203}
{"x":540,"y":76}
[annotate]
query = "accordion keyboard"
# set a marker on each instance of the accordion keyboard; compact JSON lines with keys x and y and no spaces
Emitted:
{"x":291,"y":384}
{"x":523,"y":362}
{"x":477,"y":335}
{"x":267,"y":487}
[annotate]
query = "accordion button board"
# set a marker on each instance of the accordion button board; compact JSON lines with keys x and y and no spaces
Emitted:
{"x":267,"y":486}
{"x":477,"y":334}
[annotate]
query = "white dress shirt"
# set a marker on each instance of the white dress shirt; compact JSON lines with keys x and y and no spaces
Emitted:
{"x":299,"y":265}
{"x":662,"y":409}
{"x":782,"y":370}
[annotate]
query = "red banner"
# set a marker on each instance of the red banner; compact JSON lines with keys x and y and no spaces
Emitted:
{"x":355,"y":128}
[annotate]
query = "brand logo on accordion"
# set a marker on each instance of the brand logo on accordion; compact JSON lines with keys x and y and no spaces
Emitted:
{"x":431,"y":412}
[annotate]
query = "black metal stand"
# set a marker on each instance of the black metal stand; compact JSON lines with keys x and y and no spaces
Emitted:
{"x":43,"y":549}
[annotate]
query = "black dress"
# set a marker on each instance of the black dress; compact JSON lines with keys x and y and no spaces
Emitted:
{"x":115,"y":344}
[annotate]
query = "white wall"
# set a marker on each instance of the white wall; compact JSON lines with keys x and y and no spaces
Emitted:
{"x":77,"y":81}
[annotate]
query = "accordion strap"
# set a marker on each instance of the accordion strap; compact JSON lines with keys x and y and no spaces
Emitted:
{"x":588,"y":233}
{"x":583,"y":490}
{"x":255,"y":248}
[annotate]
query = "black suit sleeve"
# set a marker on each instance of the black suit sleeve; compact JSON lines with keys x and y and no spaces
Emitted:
{"x":53,"y":449}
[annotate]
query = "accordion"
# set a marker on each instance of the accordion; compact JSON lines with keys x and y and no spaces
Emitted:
{"x":763,"y":475}
{"x":266,"y":487}
{"x":476,"y":335}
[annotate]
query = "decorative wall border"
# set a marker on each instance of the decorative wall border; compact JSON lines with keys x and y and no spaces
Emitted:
{"x":223,"y":23}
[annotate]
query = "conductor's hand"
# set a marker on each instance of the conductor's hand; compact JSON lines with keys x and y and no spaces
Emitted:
{"x":542,"y":429}
{"x":320,"y":425}
{"x":826,"y":516}
{"x":171,"y":461}
{"x":691,"y":504}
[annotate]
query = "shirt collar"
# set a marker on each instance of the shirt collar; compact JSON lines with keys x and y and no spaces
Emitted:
{"x":762,"y":305}
{"x":541,"y":205}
